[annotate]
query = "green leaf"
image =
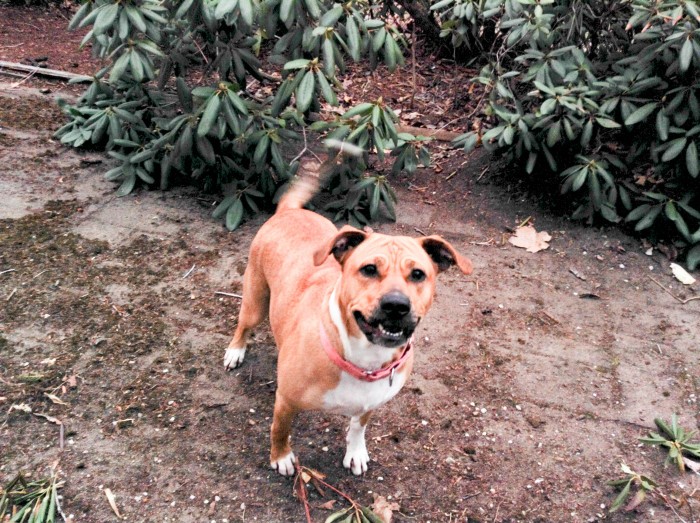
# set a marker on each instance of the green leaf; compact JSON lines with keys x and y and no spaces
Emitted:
{"x":106,"y":18}
{"x":237,"y":102}
{"x":234,"y":215}
{"x":326,"y":89}
{"x":300,"y":63}
{"x":331,"y":16}
{"x":209,"y":116}
{"x":247,"y":11}
{"x":692,"y":259}
{"x":205,"y":148}
{"x":328,"y":58}
{"x":675,"y":148}
{"x":686,"y":55}
{"x":225,"y":7}
{"x":691,"y":159}
{"x":127,"y":185}
{"x":136,"y":18}
{"x":621,"y":498}
{"x":353,"y":38}
{"x":640,"y":114}
{"x":313,"y":8}
{"x":607,"y":123}
{"x":286,"y":10}
{"x":223,"y":206}
{"x":184,"y":94}
{"x":638,"y":212}
{"x":648,"y":220}
{"x":305,"y":91}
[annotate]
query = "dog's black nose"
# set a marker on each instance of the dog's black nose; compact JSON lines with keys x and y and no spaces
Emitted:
{"x":395,"y":305}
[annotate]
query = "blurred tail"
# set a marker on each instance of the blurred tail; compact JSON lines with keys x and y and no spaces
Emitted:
{"x":313,"y":175}
{"x":304,"y":188}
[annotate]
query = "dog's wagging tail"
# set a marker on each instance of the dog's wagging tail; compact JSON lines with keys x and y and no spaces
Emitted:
{"x":366,"y":292}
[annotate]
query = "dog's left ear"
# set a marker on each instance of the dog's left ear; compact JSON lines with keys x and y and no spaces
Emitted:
{"x":444,"y":255}
{"x":340,"y":246}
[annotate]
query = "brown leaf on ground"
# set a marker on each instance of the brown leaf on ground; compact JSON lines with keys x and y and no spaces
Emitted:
{"x":531,"y":240}
{"x":384,"y":509}
{"x":328,"y":505}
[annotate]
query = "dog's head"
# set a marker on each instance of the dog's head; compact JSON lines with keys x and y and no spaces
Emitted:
{"x":388,"y":281}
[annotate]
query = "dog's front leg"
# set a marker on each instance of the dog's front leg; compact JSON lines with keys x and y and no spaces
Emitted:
{"x":281,"y":456}
{"x":356,"y":455}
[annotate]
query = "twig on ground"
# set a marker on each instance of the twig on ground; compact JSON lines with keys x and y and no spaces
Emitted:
{"x":11,"y":294}
{"x":221,"y":293}
{"x":679,"y":300}
{"x":6,"y":271}
{"x":419,"y":231}
{"x":189,"y":272}
{"x":483,"y":172}
{"x":305,"y":149}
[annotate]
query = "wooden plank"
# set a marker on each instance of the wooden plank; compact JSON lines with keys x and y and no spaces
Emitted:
{"x":40,"y":71}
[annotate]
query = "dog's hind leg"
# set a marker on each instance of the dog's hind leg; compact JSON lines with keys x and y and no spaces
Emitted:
{"x":254,"y":309}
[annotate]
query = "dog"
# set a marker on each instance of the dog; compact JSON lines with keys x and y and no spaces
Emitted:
{"x":343,"y":306}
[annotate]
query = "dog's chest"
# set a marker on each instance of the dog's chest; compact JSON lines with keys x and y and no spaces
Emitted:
{"x":353,"y":397}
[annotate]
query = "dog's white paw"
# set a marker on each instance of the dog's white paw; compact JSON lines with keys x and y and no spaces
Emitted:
{"x":233,"y":358}
{"x":357,"y":460}
{"x":285,"y":465}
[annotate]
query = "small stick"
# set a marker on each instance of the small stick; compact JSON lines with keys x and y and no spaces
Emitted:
{"x":11,"y":294}
{"x":419,"y":231}
{"x":189,"y":272}
{"x":551,"y":317}
{"x":6,"y":271}
{"x":525,"y":221}
{"x":451,"y":175}
{"x":680,"y":300}
{"x":42,"y":272}
{"x":228,"y":294}
{"x":483,"y":172}
{"x":413,"y":63}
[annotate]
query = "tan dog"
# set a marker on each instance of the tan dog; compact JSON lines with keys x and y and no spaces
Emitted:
{"x":343,"y":306}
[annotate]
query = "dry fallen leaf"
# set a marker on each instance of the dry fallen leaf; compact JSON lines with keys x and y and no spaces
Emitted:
{"x":531,"y":240}
{"x":692,"y":465}
{"x":328,"y":505}
{"x":681,"y":274}
{"x":383,"y":508}
{"x":55,"y":399}
{"x":112,"y":502}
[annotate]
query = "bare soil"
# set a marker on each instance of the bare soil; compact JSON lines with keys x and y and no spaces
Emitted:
{"x":531,"y":384}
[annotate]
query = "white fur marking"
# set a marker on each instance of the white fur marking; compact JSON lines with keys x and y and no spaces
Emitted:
{"x":356,"y":456}
{"x":233,"y":358}
{"x":285,"y":465}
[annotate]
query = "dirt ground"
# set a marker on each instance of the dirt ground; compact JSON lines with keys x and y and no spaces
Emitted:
{"x":531,"y":384}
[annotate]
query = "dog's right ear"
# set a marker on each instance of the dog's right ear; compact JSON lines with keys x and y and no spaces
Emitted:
{"x":340,"y":246}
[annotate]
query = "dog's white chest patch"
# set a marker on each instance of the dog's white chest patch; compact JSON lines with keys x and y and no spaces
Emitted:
{"x":353,"y":397}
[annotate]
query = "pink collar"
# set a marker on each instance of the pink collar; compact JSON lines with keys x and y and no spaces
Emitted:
{"x":360,"y":373}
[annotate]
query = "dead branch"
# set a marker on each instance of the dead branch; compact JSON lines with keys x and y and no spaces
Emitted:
{"x":436,"y":134}
{"x":40,"y":71}
{"x":680,"y":300}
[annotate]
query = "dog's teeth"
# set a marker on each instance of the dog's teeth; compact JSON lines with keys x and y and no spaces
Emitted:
{"x":389,"y":333}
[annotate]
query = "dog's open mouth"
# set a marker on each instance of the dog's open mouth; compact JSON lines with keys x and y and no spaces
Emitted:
{"x":385,"y":332}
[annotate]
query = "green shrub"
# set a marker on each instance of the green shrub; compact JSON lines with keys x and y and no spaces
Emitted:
{"x":151,"y":115}
{"x":600,"y":94}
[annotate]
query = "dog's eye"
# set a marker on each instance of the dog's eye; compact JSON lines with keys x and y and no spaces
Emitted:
{"x":417,"y":275}
{"x":369,"y":270}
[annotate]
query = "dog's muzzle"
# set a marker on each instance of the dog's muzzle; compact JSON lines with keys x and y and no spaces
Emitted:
{"x":391,"y":324}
